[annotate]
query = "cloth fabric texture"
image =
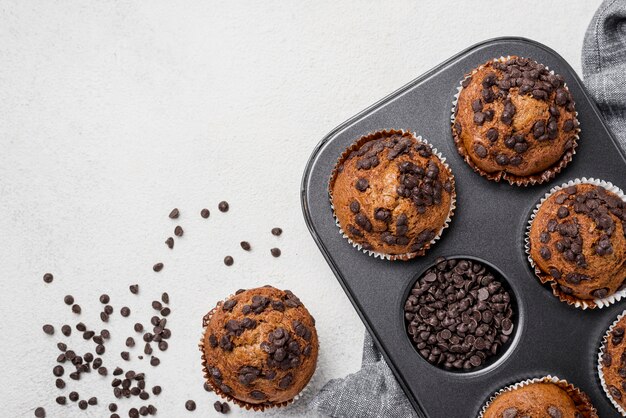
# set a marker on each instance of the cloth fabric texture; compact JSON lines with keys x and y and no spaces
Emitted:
{"x":373,"y":390}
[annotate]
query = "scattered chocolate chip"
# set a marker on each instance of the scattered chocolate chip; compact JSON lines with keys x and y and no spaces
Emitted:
{"x":48,"y":278}
{"x":178,"y":231}
{"x":134,"y":289}
{"x":157,"y":267}
{"x":48,"y":329}
{"x":205,"y":213}
{"x":174,"y":213}
{"x":223,"y":206}
{"x":104,"y":299}
{"x":245,"y":245}
{"x":40,"y":412}
{"x":228,"y":260}
{"x":277,"y":231}
{"x":275,"y":252}
{"x":190,"y":405}
{"x":76,"y":309}
{"x":125,"y":311}
{"x":69,"y":300}
{"x":169,"y":242}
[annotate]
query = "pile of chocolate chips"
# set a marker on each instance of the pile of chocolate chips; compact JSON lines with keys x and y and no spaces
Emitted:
{"x":458,"y":314}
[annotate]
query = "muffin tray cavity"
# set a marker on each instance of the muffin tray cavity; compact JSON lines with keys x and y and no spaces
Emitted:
{"x":551,"y":338}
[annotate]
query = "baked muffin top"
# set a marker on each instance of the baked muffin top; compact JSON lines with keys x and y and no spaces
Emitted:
{"x":577,"y":241}
{"x":515,"y":119}
{"x":391,"y":194}
{"x":613,"y":363}
{"x":535,"y":400}
{"x":260,"y":347}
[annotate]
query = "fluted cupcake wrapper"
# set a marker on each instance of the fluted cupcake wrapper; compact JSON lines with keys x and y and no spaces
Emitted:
{"x":357,"y":144}
{"x":255,"y":407}
{"x":603,"y":347}
{"x":581,"y":400}
{"x":546,"y":278}
{"x":512,"y":179}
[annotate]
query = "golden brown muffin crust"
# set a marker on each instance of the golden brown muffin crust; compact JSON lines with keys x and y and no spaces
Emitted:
{"x":577,"y":240}
{"x":515,"y":119}
{"x":260,"y":346}
{"x":613,"y":362}
{"x":536,"y":400}
{"x":391,"y":194}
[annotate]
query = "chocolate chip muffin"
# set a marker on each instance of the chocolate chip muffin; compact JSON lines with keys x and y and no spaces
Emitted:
{"x":259,"y":347}
{"x":541,"y":399}
{"x":515,"y":120}
{"x":612,"y":367}
{"x":392,"y":194}
{"x":577,"y":242}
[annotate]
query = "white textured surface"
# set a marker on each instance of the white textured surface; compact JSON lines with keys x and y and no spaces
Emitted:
{"x":114,"y":112}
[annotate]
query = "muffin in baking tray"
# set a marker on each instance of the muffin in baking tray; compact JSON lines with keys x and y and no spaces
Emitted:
{"x":545,"y":397}
{"x":515,"y":120}
{"x":392,"y":194}
{"x":577,"y":242}
{"x":259,"y":348}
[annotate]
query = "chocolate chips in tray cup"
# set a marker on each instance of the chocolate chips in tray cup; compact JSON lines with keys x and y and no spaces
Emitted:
{"x":460,"y":314}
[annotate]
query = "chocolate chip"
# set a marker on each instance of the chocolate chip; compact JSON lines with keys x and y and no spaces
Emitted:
{"x":157,"y":267}
{"x":169,"y":242}
{"x":275,"y":252}
{"x":48,"y":329}
{"x":40,"y":412}
{"x":545,"y":253}
{"x":355,"y":207}
{"x":48,"y":278}
{"x":492,"y":134}
{"x":69,"y":299}
{"x":245,"y":245}
{"x":174,"y":213}
{"x":502,"y":159}
{"x":479,"y":118}
{"x":600,"y":293}
{"x":190,"y":405}
{"x":228,"y":260}
{"x":125,"y":311}
{"x":480,"y":150}
{"x":178,"y":231}
{"x":477,"y":106}
{"x":205,"y":213}
{"x":76,"y":308}
{"x":223,"y":206}
{"x":362,"y":184}
{"x":277,"y":231}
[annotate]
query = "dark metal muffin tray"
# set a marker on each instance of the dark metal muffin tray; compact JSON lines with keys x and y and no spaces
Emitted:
{"x":490,"y":222}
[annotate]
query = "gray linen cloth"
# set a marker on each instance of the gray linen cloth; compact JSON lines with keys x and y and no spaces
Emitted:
{"x":373,"y":391}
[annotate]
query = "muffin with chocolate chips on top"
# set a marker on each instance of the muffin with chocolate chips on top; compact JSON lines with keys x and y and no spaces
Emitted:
{"x":549,"y":398}
{"x":259,"y":348}
{"x":577,"y":242}
{"x":612,"y":364}
{"x":515,"y":120}
{"x":392,"y":194}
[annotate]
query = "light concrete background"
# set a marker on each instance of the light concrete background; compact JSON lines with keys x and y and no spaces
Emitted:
{"x":113,"y":112}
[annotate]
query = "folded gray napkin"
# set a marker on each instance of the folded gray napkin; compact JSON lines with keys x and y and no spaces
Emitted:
{"x":373,"y":391}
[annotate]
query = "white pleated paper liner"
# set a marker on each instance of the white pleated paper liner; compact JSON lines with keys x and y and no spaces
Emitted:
{"x":545,"y":277}
{"x":305,"y":392}
{"x":512,"y":179}
{"x":582,"y":401}
{"x":357,"y":144}
{"x":603,"y":347}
